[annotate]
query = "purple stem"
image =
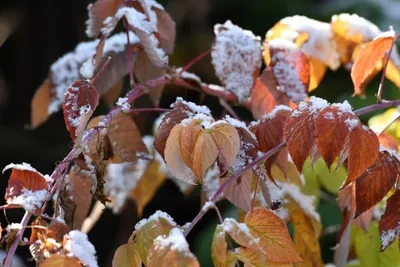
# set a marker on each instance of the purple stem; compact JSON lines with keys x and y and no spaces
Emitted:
{"x":378,"y":106}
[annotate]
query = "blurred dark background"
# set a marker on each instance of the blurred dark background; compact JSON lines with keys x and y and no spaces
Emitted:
{"x":33,"y":34}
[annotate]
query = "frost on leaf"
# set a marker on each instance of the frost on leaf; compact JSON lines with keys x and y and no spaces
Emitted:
{"x":265,"y":95}
{"x":66,"y":70}
{"x":171,"y":250}
{"x":26,"y":187}
{"x":376,"y":181}
{"x":290,"y":67}
{"x":389,"y":225}
{"x":236,"y":57}
{"x":77,"y":245}
{"x":81,"y":99}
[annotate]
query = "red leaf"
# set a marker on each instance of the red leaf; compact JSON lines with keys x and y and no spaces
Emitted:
{"x":26,"y":187}
{"x":265,"y":95}
{"x":80,"y":101}
{"x":331,"y":131}
{"x":389,"y":225}
{"x":290,"y":67}
{"x":376,"y":182}
{"x":367,"y":60}
{"x":363,"y":151}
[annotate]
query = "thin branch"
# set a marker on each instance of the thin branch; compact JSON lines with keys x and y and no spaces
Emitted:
{"x":382,"y":82}
{"x":130,"y":60}
{"x":194,"y":61}
{"x":384,"y":104}
{"x":231,"y":179}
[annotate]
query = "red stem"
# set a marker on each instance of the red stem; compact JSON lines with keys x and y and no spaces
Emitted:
{"x":194,"y":61}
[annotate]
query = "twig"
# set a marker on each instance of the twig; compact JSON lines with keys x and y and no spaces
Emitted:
{"x":231,"y":179}
{"x":130,"y":60}
{"x":382,"y":82}
{"x":94,"y":216}
{"x":384,"y":104}
{"x":194,"y":61}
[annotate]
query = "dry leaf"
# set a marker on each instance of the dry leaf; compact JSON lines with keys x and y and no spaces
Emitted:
{"x":389,"y":227}
{"x":40,"y":103}
{"x":60,"y":261}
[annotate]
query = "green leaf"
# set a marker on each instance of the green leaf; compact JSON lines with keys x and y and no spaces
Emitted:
{"x":368,"y":245}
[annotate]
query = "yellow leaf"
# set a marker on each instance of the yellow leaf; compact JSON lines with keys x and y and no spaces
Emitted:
{"x":241,"y":233}
{"x":273,"y":236}
{"x":317,"y":69}
{"x":127,"y":256}
{"x":148,"y":185}
{"x":219,"y":248}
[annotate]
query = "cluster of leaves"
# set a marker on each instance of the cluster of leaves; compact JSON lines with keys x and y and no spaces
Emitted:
{"x":258,"y":166}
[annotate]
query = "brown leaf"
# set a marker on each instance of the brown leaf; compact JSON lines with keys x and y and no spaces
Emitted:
{"x":98,"y":12}
{"x":166,"y":30}
{"x":369,"y":57}
{"x":148,"y":185}
{"x":376,"y":182}
{"x":236,"y":65}
{"x":265,"y":95}
{"x":239,"y":191}
{"x":389,"y":227}
{"x":187,"y":140}
{"x":60,"y":261}
{"x":290,"y":68}
{"x":113,"y":93}
{"x":331,"y":131}
{"x":79,"y":104}
{"x":38,"y":232}
{"x":388,"y":141}
{"x":40,"y":103}
{"x":205,"y":152}
{"x":57,"y":230}
{"x":363,"y":151}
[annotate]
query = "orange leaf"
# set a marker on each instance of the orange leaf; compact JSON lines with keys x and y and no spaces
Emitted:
{"x":369,"y":57}
{"x":331,"y":131}
{"x":60,"y":261}
{"x":389,"y":227}
{"x":205,"y":152}
{"x":273,"y":235}
{"x":388,"y":141}
{"x":79,"y":103}
{"x":265,"y":95}
{"x":127,"y":255}
{"x":363,"y":151}
{"x":187,"y":140}
{"x":290,"y":67}
{"x":317,"y":72}
{"x":40,"y":104}
{"x":26,"y":187}
{"x":148,"y":185}
{"x":241,"y":234}
{"x":376,"y":182}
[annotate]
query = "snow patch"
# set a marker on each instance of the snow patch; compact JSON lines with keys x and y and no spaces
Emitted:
{"x":175,"y":241}
{"x":357,"y":26}
{"x":155,"y":217}
{"x":123,"y":103}
{"x":79,"y":246}
{"x":29,"y":200}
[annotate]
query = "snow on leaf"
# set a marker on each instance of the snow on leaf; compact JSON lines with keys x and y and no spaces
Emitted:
{"x":26,"y":187}
{"x":273,"y":236}
{"x":78,"y":245}
{"x":363,"y":151}
{"x":316,"y":38}
{"x":98,"y":12}
{"x":171,"y":250}
{"x":236,"y":57}
{"x":290,"y":67}
{"x":370,"y":56}
{"x":376,"y":182}
{"x":389,"y":225}
{"x":147,"y":230}
{"x":81,"y":99}
{"x":219,"y":247}
{"x":241,"y":233}
{"x":265,"y":95}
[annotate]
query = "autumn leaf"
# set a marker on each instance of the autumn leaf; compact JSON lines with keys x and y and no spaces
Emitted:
{"x":363,"y":150}
{"x":389,"y":227}
{"x":60,"y":261}
{"x":367,"y":60}
{"x":148,"y":185}
{"x":79,"y":104}
{"x":147,"y":230}
{"x":376,"y":182}
{"x":265,"y":96}
{"x":273,"y":235}
{"x":240,"y":233}
{"x":236,"y":57}
{"x":219,"y":247}
{"x":290,"y":68}
{"x":171,"y":250}
{"x":187,"y":140}
{"x":388,"y":141}
{"x":98,"y":12}
{"x":332,"y":130}
{"x":127,"y":255}
{"x":40,"y":103}
{"x":26,"y":187}
{"x":251,"y":257}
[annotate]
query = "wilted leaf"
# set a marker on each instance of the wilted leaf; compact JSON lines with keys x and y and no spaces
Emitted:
{"x":79,"y":104}
{"x":236,"y":57}
{"x":148,"y":185}
{"x":147,"y":230}
{"x":273,"y":235}
{"x":376,"y":182}
{"x":331,"y":131}
{"x":290,"y":68}
{"x":369,"y":57}
{"x":26,"y":187}
{"x":61,"y":261}
{"x":171,"y":250}
{"x":389,"y":226}
{"x":363,"y":151}
{"x":265,"y":95}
